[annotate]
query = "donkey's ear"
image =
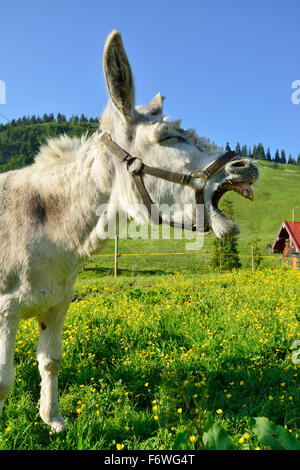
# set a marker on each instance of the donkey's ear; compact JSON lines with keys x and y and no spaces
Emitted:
{"x":118,"y":75}
{"x":155,"y":107}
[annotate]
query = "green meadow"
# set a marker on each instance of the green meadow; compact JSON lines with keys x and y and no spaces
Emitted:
{"x":171,"y":355}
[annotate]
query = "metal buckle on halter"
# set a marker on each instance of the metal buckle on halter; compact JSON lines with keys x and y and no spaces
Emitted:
{"x":134,"y":165}
{"x":198,"y":180}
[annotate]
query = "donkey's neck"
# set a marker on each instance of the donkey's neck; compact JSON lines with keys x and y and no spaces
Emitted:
{"x":72,"y":191}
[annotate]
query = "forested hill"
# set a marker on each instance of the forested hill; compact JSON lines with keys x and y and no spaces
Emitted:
{"x":20,"y":140}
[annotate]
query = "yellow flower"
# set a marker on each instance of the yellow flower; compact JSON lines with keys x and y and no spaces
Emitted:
{"x":120,"y":446}
{"x":241,"y":440}
{"x":219,"y":411}
{"x":246,"y":435}
{"x":8,"y":428}
{"x":79,"y":410}
{"x":154,"y":408}
{"x":146,"y":384}
{"x":156,"y":417}
{"x":270,"y":397}
{"x":192,"y":438}
{"x":179,"y":410}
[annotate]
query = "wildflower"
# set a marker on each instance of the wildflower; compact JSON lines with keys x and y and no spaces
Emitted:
{"x":241,"y":440}
{"x":192,"y":438}
{"x":219,"y":411}
{"x":270,"y":397}
{"x":246,"y":435}
{"x":146,"y":384}
{"x":155,"y":417}
{"x":179,"y":410}
{"x":120,"y":446}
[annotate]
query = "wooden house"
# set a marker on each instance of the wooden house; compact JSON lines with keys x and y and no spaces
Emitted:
{"x":287,"y":243}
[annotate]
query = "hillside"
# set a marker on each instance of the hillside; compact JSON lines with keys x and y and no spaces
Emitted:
{"x":276,"y":196}
{"x":19,"y":143}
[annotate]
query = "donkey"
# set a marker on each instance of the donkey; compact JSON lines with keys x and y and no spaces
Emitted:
{"x":49,"y":224}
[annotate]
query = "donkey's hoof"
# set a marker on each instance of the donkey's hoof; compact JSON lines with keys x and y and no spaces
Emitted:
{"x":57,"y":426}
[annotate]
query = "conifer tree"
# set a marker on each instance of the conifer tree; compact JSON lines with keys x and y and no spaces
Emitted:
{"x":238,"y":149}
{"x":226,"y":256}
{"x":254,"y":152}
{"x":244,"y":152}
{"x":277,"y":157}
{"x":282,"y":158}
{"x":261,"y":152}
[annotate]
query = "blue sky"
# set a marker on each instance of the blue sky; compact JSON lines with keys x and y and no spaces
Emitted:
{"x":225,"y":67}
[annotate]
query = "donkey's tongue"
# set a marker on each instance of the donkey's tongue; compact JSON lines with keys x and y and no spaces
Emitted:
{"x":244,"y":189}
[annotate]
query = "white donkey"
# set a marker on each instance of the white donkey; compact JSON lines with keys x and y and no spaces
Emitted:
{"x":48,"y":211}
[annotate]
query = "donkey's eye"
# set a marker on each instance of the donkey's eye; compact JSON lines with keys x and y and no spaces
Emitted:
{"x":172,"y":140}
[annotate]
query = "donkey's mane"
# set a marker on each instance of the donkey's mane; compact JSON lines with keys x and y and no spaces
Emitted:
{"x":61,"y":150}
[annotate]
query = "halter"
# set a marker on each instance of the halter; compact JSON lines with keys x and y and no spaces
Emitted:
{"x":186,"y":179}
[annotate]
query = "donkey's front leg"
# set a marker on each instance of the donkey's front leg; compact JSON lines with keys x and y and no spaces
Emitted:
{"x":49,"y":352}
{"x":8,"y":329}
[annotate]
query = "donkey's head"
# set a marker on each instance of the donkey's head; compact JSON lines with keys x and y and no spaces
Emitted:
{"x":145,"y":133}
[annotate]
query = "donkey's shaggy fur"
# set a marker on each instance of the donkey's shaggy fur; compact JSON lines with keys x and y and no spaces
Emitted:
{"x":48,"y":213}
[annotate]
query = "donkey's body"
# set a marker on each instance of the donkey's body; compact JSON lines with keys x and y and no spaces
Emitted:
{"x":48,"y":214}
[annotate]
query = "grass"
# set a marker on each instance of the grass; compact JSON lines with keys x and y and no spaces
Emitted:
{"x":148,"y":357}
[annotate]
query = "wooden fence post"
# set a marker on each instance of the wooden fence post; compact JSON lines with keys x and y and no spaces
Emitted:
{"x":116,"y":256}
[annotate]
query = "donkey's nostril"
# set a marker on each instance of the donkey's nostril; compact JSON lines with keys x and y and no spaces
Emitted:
{"x":239,"y":164}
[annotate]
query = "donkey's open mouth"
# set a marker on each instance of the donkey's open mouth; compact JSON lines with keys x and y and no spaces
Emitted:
{"x":244,"y":189}
{"x":238,"y":176}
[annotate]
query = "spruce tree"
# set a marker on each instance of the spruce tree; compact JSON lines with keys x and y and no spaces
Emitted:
{"x":291,"y":160}
{"x":244,"y":153}
{"x":254,"y":152}
{"x":261,"y":152}
{"x":268,"y":155}
{"x":277,"y":157}
{"x":283,"y":159}
{"x":238,"y":149}
{"x":226,"y":256}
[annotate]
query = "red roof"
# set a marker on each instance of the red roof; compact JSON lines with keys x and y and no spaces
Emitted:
{"x":294,"y":230}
